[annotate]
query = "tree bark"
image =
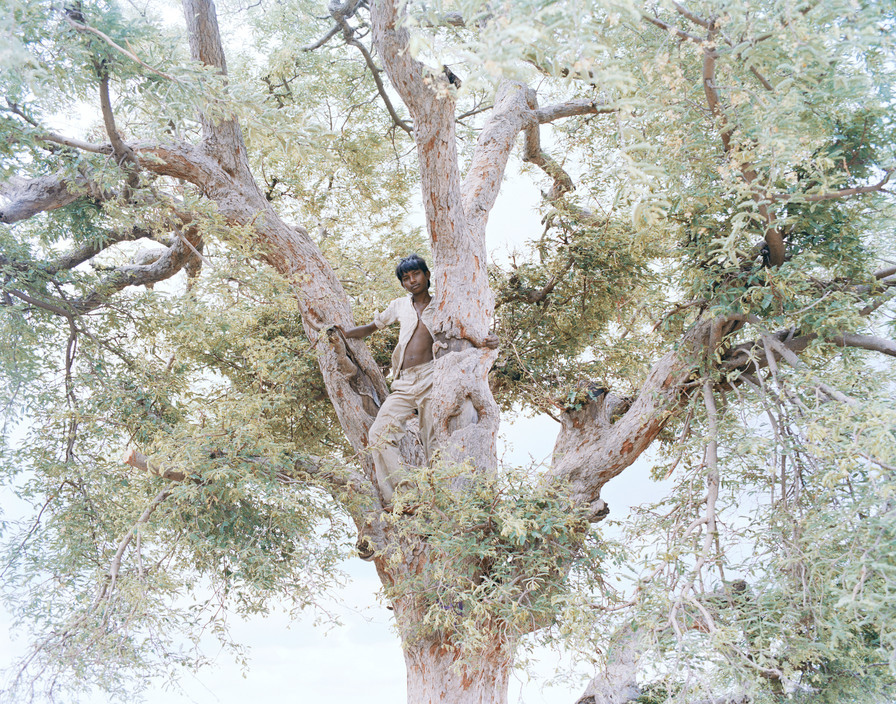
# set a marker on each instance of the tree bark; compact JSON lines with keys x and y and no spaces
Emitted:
{"x":434,"y":675}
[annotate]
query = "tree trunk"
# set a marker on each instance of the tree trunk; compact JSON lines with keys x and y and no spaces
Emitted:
{"x":435,"y":676}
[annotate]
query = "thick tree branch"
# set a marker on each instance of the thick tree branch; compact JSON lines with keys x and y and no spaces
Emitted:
{"x":571,"y":108}
{"x":169,"y":261}
{"x":865,"y":342}
{"x":748,"y":357}
{"x":617,"y":681}
{"x":73,"y":258}
{"x":514,"y":110}
{"x":593,"y":446}
{"x":885,"y":272}
{"x":223,"y":138}
{"x":75,"y":143}
{"x":182,"y":250}
{"x":138,"y":460}
{"x":27,"y":198}
{"x":533,"y":154}
{"x":417,"y":85}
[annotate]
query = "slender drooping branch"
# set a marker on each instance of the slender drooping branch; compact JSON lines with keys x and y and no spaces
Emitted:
{"x":348,"y":34}
{"x":832,"y":195}
{"x":108,"y":586}
{"x":53,"y":137}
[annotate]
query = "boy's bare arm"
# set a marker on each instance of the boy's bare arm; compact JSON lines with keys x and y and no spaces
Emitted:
{"x":356,"y":332}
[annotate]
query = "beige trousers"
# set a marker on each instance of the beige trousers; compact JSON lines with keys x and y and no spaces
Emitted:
{"x":410,"y":392}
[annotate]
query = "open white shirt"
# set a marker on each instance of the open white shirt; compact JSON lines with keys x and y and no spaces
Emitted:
{"x":402,"y":311}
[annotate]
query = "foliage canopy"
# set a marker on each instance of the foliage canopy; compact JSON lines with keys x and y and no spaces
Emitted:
{"x":730,"y":164}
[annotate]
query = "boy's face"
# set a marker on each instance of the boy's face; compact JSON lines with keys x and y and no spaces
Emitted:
{"x":415,"y":281}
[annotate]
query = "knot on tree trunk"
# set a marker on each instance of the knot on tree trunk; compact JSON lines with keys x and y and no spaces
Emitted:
{"x":465,"y":413}
{"x":357,"y":380}
{"x":592,"y":404}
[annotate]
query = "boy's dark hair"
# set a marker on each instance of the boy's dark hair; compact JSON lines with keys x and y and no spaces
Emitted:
{"x":412,"y":262}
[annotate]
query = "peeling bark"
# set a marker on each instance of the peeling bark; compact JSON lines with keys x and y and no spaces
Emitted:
{"x":434,"y":675}
{"x":26,"y":198}
{"x":617,"y":681}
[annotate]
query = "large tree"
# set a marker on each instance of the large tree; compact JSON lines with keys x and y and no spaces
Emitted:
{"x":712,"y":280}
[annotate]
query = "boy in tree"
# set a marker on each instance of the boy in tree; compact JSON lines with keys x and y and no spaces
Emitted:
{"x":412,"y":367}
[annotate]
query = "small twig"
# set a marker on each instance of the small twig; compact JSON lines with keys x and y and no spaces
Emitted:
{"x":334,"y":30}
{"x":669,"y":28}
{"x":115,"y":566}
{"x":677,"y":309}
{"x":879,"y":463}
{"x":706,"y":24}
{"x":762,"y":79}
{"x":106,"y":38}
{"x":833,"y":195}
{"x":474,"y":111}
